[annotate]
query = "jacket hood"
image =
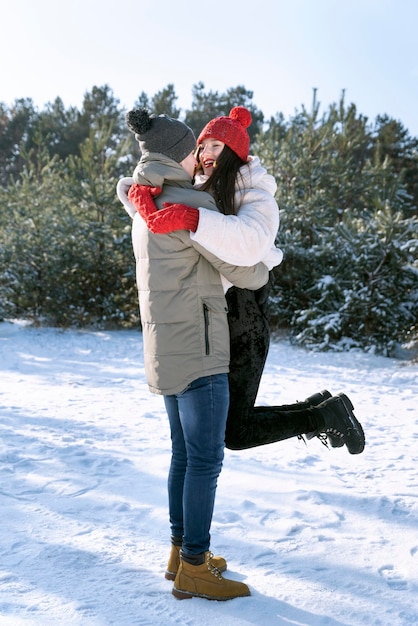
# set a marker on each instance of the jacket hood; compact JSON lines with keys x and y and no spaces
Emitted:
{"x":156,"y":169}
{"x":253,"y":174}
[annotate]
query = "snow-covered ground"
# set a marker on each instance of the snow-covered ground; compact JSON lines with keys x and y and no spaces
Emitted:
{"x":320,"y":536}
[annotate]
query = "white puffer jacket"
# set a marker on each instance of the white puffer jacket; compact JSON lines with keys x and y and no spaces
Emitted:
{"x":248,"y":237}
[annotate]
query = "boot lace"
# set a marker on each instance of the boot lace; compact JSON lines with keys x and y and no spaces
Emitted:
{"x":212,"y":568}
{"x":323,"y":439}
{"x":321,"y":436}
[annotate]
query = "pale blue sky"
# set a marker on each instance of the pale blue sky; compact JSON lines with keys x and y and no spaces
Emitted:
{"x":279,"y":49}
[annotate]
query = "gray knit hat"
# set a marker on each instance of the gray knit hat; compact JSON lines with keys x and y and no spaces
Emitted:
{"x":160,"y":133}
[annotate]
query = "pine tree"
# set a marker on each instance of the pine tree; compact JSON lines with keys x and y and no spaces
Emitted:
{"x":65,"y":249}
{"x":341,"y":222}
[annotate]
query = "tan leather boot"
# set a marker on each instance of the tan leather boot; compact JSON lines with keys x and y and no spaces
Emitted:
{"x":206,"y":581}
{"x":174,"y":562}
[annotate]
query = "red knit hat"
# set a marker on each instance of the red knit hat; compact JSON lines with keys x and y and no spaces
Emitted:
{"x":231,"y":131}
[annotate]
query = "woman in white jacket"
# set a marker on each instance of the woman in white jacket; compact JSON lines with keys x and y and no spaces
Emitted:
{"x":243,"y":234}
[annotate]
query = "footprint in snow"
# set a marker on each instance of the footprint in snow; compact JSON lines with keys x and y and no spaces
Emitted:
{"x":393,"y":579}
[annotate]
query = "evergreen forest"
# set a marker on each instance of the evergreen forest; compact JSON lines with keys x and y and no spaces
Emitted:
{"x":347,"y":193}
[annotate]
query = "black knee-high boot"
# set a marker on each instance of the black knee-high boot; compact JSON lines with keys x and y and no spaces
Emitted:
{"x":333,"y":417}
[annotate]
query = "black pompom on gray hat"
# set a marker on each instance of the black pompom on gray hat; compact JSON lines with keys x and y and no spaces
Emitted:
{"x":160,"y":133}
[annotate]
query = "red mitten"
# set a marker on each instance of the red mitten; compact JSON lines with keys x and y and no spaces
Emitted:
{"x":141,"y":196}
{"x":173,"y":217}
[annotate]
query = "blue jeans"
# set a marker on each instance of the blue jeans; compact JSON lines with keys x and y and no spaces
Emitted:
{"x":197,"y":421}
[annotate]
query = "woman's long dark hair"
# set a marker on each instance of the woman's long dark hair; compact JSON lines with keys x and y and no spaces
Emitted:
{"x":221,"y":184}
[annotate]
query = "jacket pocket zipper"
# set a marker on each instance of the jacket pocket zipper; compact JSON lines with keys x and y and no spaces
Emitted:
{"x":206,"y":318}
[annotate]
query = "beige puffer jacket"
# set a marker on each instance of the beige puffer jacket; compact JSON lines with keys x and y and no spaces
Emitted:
{"x":181,"y":298}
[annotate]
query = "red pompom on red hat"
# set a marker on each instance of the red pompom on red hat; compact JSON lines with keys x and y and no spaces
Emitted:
{"x":231,"y":130}
{"x":242,"y":115}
